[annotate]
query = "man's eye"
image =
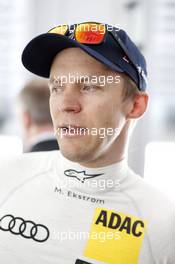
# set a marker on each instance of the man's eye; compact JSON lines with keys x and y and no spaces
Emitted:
{"x":56,"y":89}
{"x":89,"y":88}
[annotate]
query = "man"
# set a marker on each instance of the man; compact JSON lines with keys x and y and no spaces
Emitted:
{"x":37,"y":128}
{"x":83,"y":204}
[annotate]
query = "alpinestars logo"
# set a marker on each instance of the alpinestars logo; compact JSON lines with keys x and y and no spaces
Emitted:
{"x":80,"y":175}
{"x":25,"y":228}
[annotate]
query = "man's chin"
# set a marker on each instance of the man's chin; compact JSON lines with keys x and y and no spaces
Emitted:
{"x":73,"y":155}
{"x":80,"y":151}
{"x":76,"y":153}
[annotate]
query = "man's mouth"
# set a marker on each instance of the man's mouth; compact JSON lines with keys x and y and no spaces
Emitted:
{"x":71,"y":130}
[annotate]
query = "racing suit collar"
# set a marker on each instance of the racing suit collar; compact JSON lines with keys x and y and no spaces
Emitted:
{"x":91,"y":180}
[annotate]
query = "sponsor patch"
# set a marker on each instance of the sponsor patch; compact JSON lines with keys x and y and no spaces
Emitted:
{"x":121,"y":249}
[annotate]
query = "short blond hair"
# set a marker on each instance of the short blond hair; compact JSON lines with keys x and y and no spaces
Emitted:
{"x":130,"y":88}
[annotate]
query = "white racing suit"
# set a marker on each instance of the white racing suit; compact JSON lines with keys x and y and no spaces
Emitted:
{"x":54,"y":211}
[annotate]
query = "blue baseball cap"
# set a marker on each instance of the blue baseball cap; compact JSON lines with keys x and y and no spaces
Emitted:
{"x":117,"y":51}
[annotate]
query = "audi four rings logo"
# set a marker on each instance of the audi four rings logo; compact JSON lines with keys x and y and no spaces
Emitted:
{"x":26,"y":228}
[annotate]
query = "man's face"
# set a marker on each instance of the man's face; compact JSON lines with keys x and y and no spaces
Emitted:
{"x":85,"y":105}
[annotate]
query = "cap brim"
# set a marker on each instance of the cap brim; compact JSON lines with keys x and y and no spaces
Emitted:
{"x":39,"y":54}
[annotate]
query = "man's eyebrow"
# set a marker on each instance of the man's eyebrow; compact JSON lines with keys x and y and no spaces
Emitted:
{"x":85,"y":78}
{"x":78,"y":79}
{"x":89,"y":78}
{"x":52,"y":80}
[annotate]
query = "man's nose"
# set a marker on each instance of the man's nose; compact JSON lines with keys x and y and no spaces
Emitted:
{"x":70,"y":100}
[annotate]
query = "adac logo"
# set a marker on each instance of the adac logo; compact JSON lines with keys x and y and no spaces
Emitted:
{"x":126,"y":224}
{"x":25,"y":228}
{"x":80,"y":175}
{"x":123,"y":235}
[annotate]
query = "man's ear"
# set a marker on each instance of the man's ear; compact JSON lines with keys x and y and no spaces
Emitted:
{"x":138,"y":105}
